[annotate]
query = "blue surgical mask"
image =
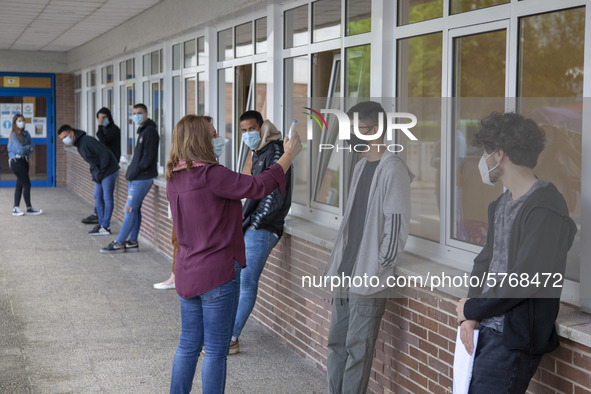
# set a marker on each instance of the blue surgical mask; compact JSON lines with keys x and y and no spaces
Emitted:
{"x":67,"y":140}
{"x":138,"y":119}
{"x":218,"y":146}
{"x":252,"y":139}
{"x":105,"y":122}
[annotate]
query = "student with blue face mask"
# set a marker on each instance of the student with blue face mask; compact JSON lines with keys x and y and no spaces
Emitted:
{"x":141,"y":174}
{"x":20,"y":146}
{"x":263,"y":217}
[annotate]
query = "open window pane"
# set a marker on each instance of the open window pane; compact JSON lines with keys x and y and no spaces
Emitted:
{"x":296,"y":93}
{"x":326,"y":90}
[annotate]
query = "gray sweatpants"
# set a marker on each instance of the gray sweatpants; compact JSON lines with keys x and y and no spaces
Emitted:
{"x":354,"y":326}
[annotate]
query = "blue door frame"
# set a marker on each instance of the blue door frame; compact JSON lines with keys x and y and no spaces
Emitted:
{"x":49,"y":140}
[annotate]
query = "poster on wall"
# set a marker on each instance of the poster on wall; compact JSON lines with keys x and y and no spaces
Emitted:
{"x":6,"y":123}
{"x":40,"y":127}
{"x":28,"y":110}
{"x":9,"y":110}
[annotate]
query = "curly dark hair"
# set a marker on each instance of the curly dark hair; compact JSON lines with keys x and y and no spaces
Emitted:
{"x":520,"y":138}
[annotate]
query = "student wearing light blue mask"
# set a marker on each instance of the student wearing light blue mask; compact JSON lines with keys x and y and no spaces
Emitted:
{"x":263,"y":218}
{"x":141,"y":173}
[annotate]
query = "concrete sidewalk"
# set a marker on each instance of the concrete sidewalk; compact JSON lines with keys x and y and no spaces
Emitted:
{"x":73,"y":320}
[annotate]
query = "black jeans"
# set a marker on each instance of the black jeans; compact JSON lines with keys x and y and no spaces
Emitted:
{"x":20,"y":167}
{"x":498,"y":369}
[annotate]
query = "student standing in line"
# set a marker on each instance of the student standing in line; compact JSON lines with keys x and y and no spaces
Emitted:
{"x":374,"y":229}
{"x":103,"y":169}
{"x":141,"y":174}
{"x":263,"y":218}
{"x":20,"y":146}
{"x":110,"y":135}
{"x":529,"y":233}
{"x":206,"y":211}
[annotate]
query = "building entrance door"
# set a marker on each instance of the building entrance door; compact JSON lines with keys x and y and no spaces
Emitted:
{"x":31,"y":95}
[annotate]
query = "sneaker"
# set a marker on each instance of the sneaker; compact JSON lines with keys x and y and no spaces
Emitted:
{"x":100,"y":230}
{"x":92,"y":219}
{"x":114,"y":247}
{"x":234,"y":347}
{"x":131,"y":246}
{"x":33,"y":211}
{"x":16,"y":211}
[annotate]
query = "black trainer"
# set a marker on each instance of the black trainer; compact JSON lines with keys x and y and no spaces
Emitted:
{"x":114,"y":247}
{"x":95,"y":230}
{"x":131,"y":246}
{"x":92,"y":219}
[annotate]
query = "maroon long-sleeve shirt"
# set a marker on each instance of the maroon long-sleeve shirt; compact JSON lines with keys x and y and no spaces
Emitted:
{"x":207,"y":216}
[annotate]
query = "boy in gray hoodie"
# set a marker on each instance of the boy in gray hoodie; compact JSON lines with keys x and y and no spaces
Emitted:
{"x":374,"y":229}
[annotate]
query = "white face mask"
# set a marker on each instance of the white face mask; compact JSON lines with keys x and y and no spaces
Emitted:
{"x":484,"y":171}
{"x":20,"y":124}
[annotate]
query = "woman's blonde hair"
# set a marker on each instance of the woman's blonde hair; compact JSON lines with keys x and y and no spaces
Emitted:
{"x":191,"y":141}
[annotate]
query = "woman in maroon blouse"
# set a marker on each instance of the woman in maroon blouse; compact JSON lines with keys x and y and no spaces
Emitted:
{"x":206,"y":211}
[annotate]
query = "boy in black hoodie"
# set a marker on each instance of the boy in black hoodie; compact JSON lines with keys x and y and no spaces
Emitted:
{"x":141,"y":173}
{"x":103,"y":169}
{"x":529,"y":235}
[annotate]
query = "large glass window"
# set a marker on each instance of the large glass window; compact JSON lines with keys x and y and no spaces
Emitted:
{"x":419,"y":92}
{"x":296,"y":27}
{"x":326,"y":20}
{"x":107,"y":74}
{"x":552,"y":51}
{"x":475,"y":98}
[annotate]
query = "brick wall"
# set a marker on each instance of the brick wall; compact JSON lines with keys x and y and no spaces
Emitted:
{"x":416,"y":342}
{"x":64,"y":114}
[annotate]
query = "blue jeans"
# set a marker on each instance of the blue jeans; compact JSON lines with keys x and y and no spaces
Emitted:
{"x":498,"y":369}
{"x":103,"y":199}
{"x":206,"y":320}
{"x":136,"y":192}
{"x":259,"y":244}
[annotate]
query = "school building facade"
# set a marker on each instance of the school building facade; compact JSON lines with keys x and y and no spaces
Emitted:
{"x":449,"y":62}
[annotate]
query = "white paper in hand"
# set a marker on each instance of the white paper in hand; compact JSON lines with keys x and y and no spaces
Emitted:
{"x":463,"y":363}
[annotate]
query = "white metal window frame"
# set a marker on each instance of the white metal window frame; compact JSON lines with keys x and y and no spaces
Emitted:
{"x":459,"y":254}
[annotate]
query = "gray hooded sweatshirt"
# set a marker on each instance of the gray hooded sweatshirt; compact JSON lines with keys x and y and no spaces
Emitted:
{"x":386,"y":224}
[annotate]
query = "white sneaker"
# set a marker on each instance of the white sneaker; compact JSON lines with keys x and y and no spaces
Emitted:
{"x":16,"y":211}
{"x":163,"y":286}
